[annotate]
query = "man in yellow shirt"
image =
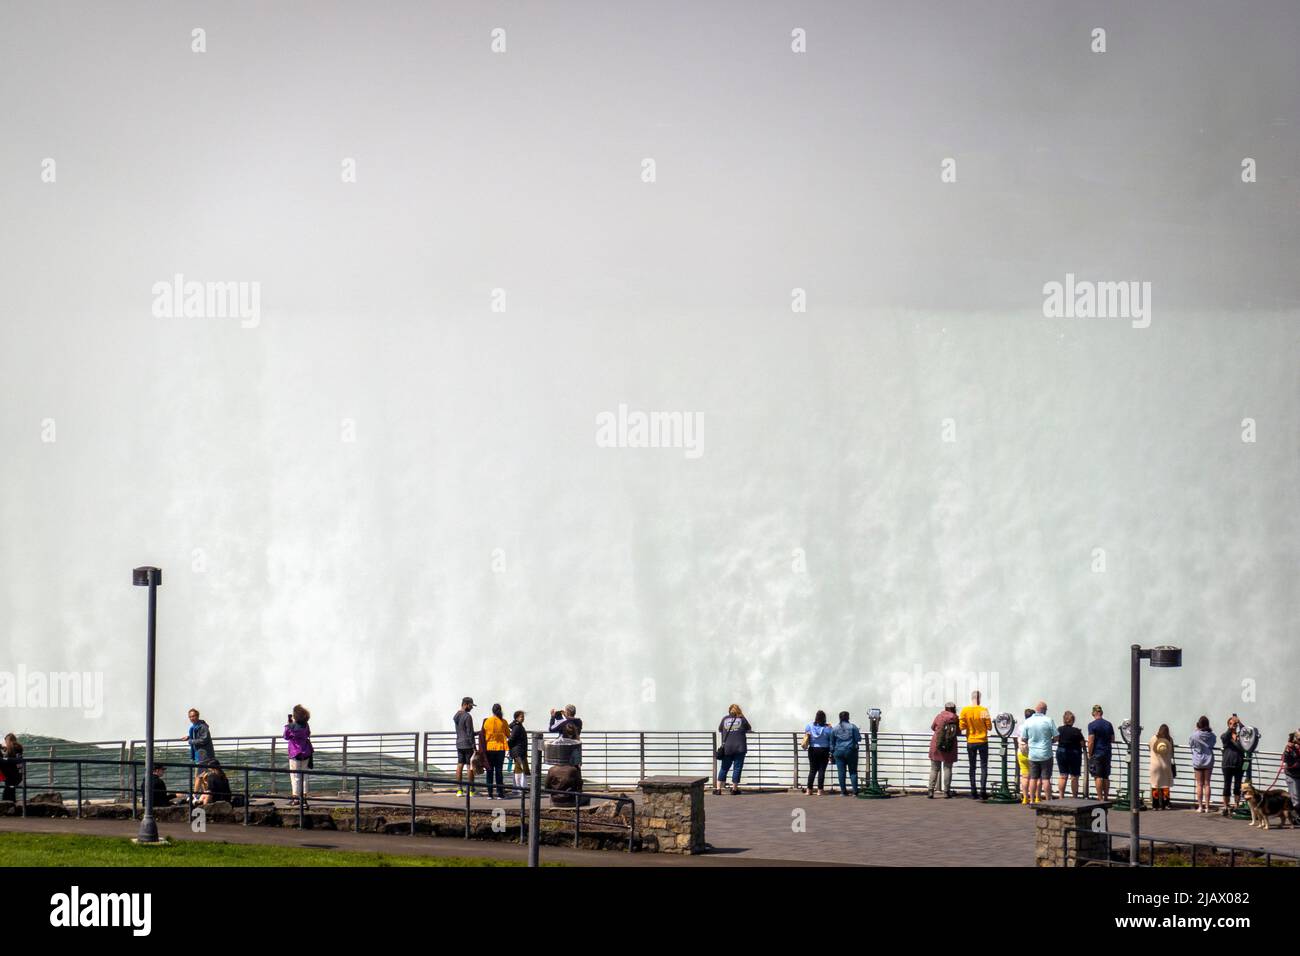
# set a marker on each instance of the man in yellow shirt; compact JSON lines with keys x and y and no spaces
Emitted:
{"x":976,"y":723}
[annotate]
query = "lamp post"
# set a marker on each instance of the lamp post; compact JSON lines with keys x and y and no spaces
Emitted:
{"x":873,"y":790}
{"x":150,"y":578}
{"x":1162,"y":656}
{"x":1003,"y":725}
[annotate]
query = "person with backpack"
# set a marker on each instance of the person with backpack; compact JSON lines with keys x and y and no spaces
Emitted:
{"x":817,"y":741}
{"x":943,"y":749}
{"x":844,"y":751}
{"x":730,"y":755}
{"x":1202,"y":746}
{"x":298,"y":734}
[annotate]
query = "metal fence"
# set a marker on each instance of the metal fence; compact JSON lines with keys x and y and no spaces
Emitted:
{"x":610,"y":759}
{"x":1197,"y":854}
{"x":92,"y":777}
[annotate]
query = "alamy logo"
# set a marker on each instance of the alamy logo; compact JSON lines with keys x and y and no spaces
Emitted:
{"x":179,"y":299}
{"x":1083,"y":299}
{"x":636,"y":429}
{"x":75,"y":908}
{"x":68,"y":690}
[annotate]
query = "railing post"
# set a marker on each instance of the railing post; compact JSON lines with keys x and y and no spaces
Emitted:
{"x":356,"y":806}
{"x":272,"y":766}
{"x":577,"y":819}
{"x":794,"y":742}
{"x":121,"y":770}
{"x":134,"y":783}
{"x":468,"y":790}
{"x":248,"y":795}
{"x":302,"y":804}
{"x":415,"y":756}
{"x":49,"y":769}
{"x":642,"y":745}
{"x":412,"y":808}
{"x":342,"y":780}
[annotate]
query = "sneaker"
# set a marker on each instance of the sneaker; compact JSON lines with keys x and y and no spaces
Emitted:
{"x":460,"y":792}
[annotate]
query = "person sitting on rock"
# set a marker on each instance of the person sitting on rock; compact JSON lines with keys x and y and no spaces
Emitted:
{"x":213,"y":785}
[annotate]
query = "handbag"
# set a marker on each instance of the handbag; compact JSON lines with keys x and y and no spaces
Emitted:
{"x":720,"y":753}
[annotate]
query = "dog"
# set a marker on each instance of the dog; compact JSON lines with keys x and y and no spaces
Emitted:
{"x":1269,"y":803}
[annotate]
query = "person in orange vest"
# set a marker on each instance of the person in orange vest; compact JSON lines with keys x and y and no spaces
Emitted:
{"x":496,"y":741}
{"x":975,"y":724}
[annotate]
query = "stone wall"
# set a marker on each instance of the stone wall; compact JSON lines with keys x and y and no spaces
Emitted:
{"x":1056,"y":817}
{"x":670,"y":816}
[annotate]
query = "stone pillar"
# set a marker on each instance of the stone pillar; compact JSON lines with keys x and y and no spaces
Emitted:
{"x":1055,"y":817}
{"x":671,"y":815}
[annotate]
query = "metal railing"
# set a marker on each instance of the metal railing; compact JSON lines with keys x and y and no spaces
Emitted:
{"x":617,"y":760}
{"x":372,"y":753}
{"x":374,"y":783}
{"x":1236,"y":855}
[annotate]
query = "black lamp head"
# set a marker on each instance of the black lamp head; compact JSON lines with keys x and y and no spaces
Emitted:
{"x":143,"y":577}
{"x":1166,"y":656}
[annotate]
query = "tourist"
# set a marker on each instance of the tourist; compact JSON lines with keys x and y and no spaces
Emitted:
{"x":817,"y":741}
{"x":1039,"y":733}
{"x":161,"y":795}
{"x":213,"y":785}
{"x":496,"y":741}
{"x":566,"y":722}
{"x":199,"y":737}
{"x":1162,"y":768}
{"x":1202,"y":746}
{"x":1290,"y":768}
{"x":844,"y":750}
{"x":1069,"y":753}
{"x":943,"y":749}
{"x":11,"y":766}
{"x":518,"y":743}
{"x":1022,"y":760}
{"x":463,"y":721}
{"x":1234,"y":758}
{"x":976,"y":723}
{"x":1101,"y":736}
{"x":731,"y":752}
{"x":298,"y":734}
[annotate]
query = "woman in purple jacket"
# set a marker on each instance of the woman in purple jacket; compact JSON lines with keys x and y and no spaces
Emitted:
{"x":298,"y":734}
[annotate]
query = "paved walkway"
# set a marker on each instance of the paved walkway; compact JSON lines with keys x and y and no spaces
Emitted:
{"x":754,"y":829}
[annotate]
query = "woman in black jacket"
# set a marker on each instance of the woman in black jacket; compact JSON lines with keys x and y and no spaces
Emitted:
{"x":1234,"y":755}
{"x":517,"y":743}
{"x":11,"y":766}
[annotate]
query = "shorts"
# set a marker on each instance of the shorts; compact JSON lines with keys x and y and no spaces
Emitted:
{"x":1040,"y":769}
{"x":464,"y":754}
{"x":1070,"y":762}
{"x":1099,"y":767}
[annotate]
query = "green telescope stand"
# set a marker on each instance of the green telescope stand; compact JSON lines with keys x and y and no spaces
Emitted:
{"x":873,"y":790}
{"x":1003,"y":793}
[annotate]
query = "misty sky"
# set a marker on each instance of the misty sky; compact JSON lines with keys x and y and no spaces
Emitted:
{"x":472,"y":538}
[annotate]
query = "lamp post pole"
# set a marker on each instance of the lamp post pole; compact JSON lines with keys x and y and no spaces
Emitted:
{"x":151,"y":578}
{"x":1135,"y":705}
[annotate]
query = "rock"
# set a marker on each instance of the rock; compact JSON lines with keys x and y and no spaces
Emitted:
{"x":48,"y":796}
{"x":106,"y":811}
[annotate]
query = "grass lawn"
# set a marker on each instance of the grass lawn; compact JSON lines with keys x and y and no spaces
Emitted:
{"x":57,"y":849}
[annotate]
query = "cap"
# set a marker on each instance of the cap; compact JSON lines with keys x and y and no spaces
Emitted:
{"x":467,"y":700}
